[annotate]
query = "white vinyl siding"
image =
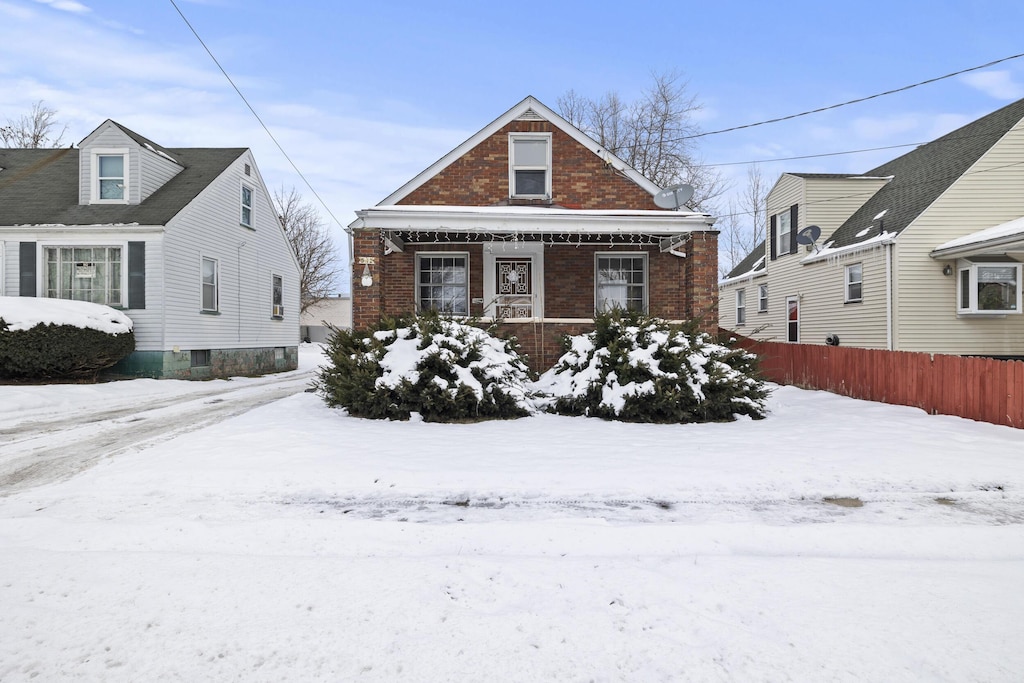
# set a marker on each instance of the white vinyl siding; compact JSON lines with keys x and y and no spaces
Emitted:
{"x":989,"y":194}
{"x":247,"y":259}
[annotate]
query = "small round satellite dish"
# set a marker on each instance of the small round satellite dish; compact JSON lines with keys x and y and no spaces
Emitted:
{"x":808,"y":235}
{"x":673,"y":197}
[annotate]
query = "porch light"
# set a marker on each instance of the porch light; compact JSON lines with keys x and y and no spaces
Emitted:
{"x":367,"y":280}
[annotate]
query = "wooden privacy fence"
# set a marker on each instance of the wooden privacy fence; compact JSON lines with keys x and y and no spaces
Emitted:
{"x":977,"y":388}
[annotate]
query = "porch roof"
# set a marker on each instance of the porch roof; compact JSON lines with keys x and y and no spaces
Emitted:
{"x":1000,"y":239}
{"x":529,"y":220}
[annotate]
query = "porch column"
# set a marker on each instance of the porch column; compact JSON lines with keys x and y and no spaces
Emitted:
{"x":367,"y":302}
{"x":702,"y":280}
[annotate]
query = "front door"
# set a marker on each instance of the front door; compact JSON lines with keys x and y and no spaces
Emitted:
{"x":513,"y":287}
{"x":793,"y":319}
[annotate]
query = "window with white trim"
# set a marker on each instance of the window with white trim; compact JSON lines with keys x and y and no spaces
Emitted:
{"x":989,"y":287}
{"x":210,"y":283}
{"x":442,"y":283}
{"x":277,"y":296}
{"x":620,"y":282}
{"x":529,"y":165}
{"x":741,"y":306}
{"x":784,"y":227}
{"x":854,"y":282}
{"x":246,"y":215}
{"x":82,"y":273}
{"x":762,"y":298}
{"x":109,"y":182}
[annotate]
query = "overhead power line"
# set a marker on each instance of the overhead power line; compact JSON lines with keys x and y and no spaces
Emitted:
{"x":251,"y":109}
{"x":860,"y":99}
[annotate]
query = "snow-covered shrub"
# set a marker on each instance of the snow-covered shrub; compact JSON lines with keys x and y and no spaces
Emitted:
{"x":445,"y":370}
{"x":43,"y":339}
{"x":641,"y":369}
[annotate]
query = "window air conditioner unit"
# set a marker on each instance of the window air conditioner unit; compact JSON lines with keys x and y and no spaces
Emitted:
{"x":278,"y":311}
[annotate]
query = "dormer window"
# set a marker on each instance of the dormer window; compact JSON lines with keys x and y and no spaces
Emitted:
{"x":109,"y":176}
{"x":529,"y":165}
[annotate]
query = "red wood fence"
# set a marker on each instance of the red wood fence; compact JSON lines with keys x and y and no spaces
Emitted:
{"x":977,"y":388}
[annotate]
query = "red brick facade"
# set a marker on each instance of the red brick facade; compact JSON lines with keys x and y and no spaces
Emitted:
{"x":580,"y":179}
{"x":677,"y":287}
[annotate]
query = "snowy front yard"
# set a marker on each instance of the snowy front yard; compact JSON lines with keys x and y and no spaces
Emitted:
{"x":295,"y":543}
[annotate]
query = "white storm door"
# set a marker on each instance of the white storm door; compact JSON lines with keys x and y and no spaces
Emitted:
{"x":513,"y":280}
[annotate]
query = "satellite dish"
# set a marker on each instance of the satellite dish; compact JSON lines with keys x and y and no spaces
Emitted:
{"x":673,"y":197}
{"x":808,"y":235}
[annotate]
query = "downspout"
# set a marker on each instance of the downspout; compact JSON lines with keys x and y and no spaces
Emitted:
{"x":889,"y":297}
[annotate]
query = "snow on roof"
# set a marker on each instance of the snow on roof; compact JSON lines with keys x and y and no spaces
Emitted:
{"x":830,"y":252}
{"x":1014,"y":228}
{"x":25,"y":312}
{"x":756,"y":269}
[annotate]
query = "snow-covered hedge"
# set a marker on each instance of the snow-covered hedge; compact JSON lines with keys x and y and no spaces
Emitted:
{"x":640,"y":369}
{"x":43,"y":339}
{"x":442,"y":369}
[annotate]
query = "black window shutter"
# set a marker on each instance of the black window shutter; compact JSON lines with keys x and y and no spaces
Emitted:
{"x":771,"y":238}
{"x":136,"y":275}
{"x":792,"y":228}
{"x":27,"y":269}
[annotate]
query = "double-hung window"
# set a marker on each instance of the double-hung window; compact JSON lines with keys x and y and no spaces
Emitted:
{"x":741,"y":306}
{"x":246,"y":215}
{"x":84,"y":274}
{"x":989,"y":287}
{"x":762,"y":298}
{"x":854,"y":282}
{"x":782,"y":233}
{"x":442,"y":283}
{"x":621,"y":282}
{"x":277,"y":296}
{"x":210,"y":284}
{"x":529,"y":165}
{"x":109,"y":176}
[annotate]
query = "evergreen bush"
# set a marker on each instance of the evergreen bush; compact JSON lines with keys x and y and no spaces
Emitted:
{"x":51,"y":351}
{"x":443,"y":369}
{"x":641,"y":369}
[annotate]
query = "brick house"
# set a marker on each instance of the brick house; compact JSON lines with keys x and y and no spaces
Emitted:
{"x":532,"y":222}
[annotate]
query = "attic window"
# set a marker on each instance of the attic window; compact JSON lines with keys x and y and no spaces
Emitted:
{"x":109,"y":176}
{"x":529,"y":165}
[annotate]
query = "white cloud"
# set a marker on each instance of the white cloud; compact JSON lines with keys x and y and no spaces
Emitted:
{"x":66,"y":6}
{"x":998,"y":84}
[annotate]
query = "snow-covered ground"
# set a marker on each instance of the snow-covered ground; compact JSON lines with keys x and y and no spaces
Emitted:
{"x":294,"y":543}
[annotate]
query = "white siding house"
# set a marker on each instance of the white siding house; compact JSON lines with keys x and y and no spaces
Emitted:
{"x":895,"y":266}
{"x":186,"y":241}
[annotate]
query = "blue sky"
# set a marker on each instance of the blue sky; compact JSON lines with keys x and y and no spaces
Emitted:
{"x":365,"y":95}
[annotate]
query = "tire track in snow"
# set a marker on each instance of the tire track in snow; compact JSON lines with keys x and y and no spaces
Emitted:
{"x":47,"y":451}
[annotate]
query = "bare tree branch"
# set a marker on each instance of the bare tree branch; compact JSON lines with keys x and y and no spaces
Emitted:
{"x":650,"y":134}
{"x":743,"y":227}
{"x":33,"y":130}
{"x":312,"y":244}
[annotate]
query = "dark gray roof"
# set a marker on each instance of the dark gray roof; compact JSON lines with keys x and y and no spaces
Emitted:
{"x":747,"y":264}
{"x":920,"y":176}
{"x":40,"y":186}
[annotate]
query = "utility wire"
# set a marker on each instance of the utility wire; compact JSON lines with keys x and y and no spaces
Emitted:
{"x":265,"y":128}
{"x":843,"y":104}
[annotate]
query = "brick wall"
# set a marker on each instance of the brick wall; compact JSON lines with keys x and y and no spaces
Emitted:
{"x":579,"y":180}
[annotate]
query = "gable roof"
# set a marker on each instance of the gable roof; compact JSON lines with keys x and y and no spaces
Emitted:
{"x":41,"y":187}
{"x":919,"y":177}
{"x":532,"y":109}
